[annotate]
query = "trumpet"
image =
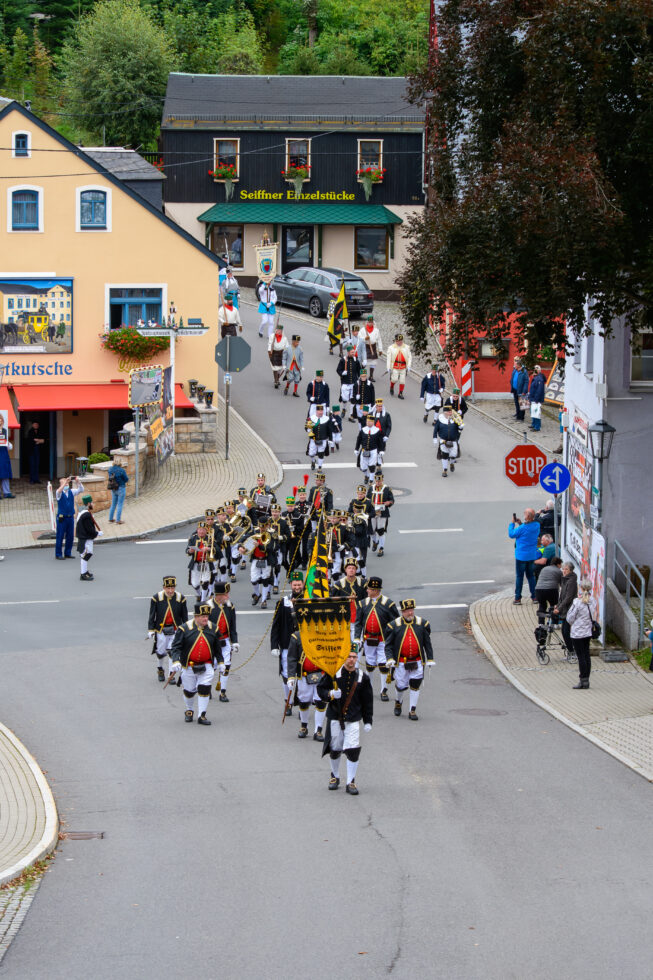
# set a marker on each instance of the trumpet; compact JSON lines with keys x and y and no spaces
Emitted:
{"x":211,"y":544}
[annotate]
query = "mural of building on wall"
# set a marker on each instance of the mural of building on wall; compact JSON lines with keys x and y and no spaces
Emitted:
{"x":36,"y":316}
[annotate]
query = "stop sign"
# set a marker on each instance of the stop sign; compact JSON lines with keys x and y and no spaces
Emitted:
{"x":523,"y":464}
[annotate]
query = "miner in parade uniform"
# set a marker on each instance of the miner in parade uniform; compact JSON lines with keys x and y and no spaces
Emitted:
{"x":229,"y":321}
{"x":296,"y":521}
{"x":374,"y":346}
{"x":223,"y":618}
{"x":362,"y":513}
{"x":199,"y":566}
{"x":320,"y":432}
{"x":277,"y":347}
{"x":195,"y":654}
{"x":382,"y":499}
{"x":259,"y":513}
{"x":267,"y":297}
{"x":167,"y":612}
{"x":319,"y":496}
{"x":293,"y":363}
{"x":446,"y":433}
{"x":408,"y":648}
{"x":383,"y":422}
{"x":348,"y":371}
{"x":87,"y":530}
{"x":352,"y":588}
{"x":368,"y":446}
{"x":364,"y":395}
{"x":317,"y":393}
{"x":303,"y":678}
{"x":375,"y":613}
{"x":398,"y":362}
{"x":432,"y":391}
{"x":305,"y":509}
{"x":262,"y":559}
{"x":349,"y":700}
{"x":336,"y":427}
{"x":284,"y":624}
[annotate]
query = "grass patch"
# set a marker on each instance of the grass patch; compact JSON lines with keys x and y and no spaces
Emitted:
{"x":642,"y":656}
{"x":30,"y":876}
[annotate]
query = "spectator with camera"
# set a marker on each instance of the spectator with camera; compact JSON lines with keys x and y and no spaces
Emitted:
{"x":525,"y":535}
{"x":69,"y":487}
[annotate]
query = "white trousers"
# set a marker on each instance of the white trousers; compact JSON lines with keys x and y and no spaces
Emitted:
{"x":403,"y":676}
{"x":163,"y":644}
{"x":259,"y":574}
{"x":267,"y":320}
{"x":349,"y":739}
{"x":398,"y":376}
{"x":374,"y":656}
{"x":88,"y":550}
{"x":306,"y":693}
{"x":368,"y":465}
{"x":199,"y":577}
{"x":346,"y":393}
{"x":317,"y":448}
{"x":432,"y":400}
{"x":190,"y":680}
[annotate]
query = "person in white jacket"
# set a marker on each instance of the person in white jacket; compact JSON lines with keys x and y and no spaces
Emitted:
{"x":398,"y":362}
{"x":580,"y":617}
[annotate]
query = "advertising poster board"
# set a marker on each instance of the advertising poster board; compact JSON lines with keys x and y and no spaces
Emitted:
{"x":36,"y":316}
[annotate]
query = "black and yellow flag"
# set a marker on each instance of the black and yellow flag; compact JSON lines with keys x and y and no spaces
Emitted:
{"x":339,"y":313}
{"x":317,"y":576}
{"x":323,"y":621}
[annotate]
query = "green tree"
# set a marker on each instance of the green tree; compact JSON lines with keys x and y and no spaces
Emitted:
{"x":115,"y":67}
{"x":541,"y":148}
{"x":42,"y":81}
{"x":17,"y":67}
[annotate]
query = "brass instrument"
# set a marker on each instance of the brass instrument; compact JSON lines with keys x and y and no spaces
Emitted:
{"x":359,"y":516}
{"x":240,"y":526}
{"x":210,"y":538}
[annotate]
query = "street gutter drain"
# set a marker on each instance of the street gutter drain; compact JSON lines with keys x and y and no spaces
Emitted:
{"x":476,"y":711}
{"x":82,"y":834}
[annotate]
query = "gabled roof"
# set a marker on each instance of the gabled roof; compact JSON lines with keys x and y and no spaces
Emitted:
{"x":383,"y":101}
{"x":82,"y":155}
{"x":125,"y":164}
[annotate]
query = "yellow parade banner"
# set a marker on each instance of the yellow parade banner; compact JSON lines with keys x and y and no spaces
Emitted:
{"x":324,"y":632}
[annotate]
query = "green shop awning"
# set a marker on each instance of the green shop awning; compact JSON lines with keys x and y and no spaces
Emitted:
{"x":297,"y":213}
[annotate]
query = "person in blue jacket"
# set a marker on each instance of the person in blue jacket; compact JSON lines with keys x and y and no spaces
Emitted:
{"x":69,"y":488}
{"x":526,"y":536}
{"x":536,"y":397}
{"x":120,"y":477}
{"x":518,"y":387}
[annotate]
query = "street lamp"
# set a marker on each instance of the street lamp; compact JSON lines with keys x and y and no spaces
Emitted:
{"x":123,"y":438}
{"x":601,"y":435}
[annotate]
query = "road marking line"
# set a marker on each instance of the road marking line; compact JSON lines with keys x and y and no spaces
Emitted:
{"x":166,"y":540}
{"x":473,"y":581}
{"x":347,"y":466}
{"x":433,"y":530}
{"x":28,"y":602}
{"x":447,"y":605}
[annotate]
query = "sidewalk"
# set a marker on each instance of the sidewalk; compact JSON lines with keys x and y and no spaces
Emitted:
{"x":180,"y":491}
{"x":616,"y":714}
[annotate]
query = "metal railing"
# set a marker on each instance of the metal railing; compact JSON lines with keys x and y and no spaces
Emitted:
{"x":624,"y":568}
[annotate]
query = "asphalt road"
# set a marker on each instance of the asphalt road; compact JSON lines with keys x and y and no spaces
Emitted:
{"x":488,"y":841}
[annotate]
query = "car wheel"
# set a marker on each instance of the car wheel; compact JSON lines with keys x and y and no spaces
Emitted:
{"x":315,"y":306}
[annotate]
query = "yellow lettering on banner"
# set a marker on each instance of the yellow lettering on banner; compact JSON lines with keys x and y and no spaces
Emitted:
{"x":327,"y":644}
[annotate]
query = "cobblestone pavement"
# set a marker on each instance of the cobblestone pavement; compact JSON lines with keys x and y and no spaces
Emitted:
{"x":178,"y":491}
{"x":616,"y":713}
{"x":14,"y":903}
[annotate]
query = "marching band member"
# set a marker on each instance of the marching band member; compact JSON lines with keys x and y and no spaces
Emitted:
{"x":195,"y":654}
{"x":319,"y":432}
{"x":295,"y":518}
{"x":223,"y":619}
{"x":258,"y":512}
{"x":284,"y":624}
{"x":293,"y":363}
{"x":383,"y":422}
{"x":351,"y":587}
{"x":349,"y":700}
{"x":306,"y":510}
{"x":408,"y":647}
{"x":348,"y":371}
{"x":369,"y":444}
{"x":320,"y":496}
{"x":167,"y":612}
{"x":382,"y":499}
{"x":374,"y":346}
{"x":277,"y":347}
{"x":336,"y":427}
{"x":261,"y":561}
{"x":280,"y":532}
{"x":317,"y":393}
{"x":364,"y":395}
{"x":362,"y":513}
{"x":446,"y":433}
{"x":199,"y":566}
{"x":372,"y":622}
{"x":398,"y":362}
{"x":303,"y":678}
{"x":432,"y":391}
{"x":231,"y":510}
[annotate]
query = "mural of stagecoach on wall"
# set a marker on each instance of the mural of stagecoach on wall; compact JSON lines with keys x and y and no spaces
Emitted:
{"x":36,"y":316}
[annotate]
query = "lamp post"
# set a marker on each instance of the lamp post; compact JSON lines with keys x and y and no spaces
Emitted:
{"x":601,"y":435}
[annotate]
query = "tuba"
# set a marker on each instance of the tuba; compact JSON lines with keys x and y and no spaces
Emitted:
{"x":240,"y":526}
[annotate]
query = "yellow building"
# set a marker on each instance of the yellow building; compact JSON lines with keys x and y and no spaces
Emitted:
{"x":83,"y":249}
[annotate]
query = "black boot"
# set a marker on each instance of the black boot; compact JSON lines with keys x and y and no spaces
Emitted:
{"x":583,"y":685}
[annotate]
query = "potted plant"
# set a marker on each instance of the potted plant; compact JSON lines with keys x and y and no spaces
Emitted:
{"x":297,"y":174}
{"x":128,"y":343}
{"x":225,"y":173}
{"x":368,"y":176}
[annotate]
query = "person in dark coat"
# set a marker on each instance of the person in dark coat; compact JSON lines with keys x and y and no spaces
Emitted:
{"x":87,"y":532}
{"x":284,"y":624}
{"x":223,"y":617}
{"x":69,"y":488}
{"x":5,"y":470}
{"x":536,"y":398}
{"x":446,"y":434}
{"x":568,"y":592}
{"x":34,"y":443}
{"x":349,"y":700}
{"x":195,"y":655}
{"x":408,"y":648}
{"x":168,"y":611}
{"x":457,"y":402}
{"x":518,"y":387}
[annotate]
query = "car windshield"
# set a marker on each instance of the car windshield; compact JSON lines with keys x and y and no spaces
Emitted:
{"x":355,"y":285}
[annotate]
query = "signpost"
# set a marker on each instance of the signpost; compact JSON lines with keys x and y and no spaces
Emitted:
{"x":145,"y":386}
{"x":172,"y":329}
{"x":232,"y":354}
{"x":523,"y":465}
{"x":555,"y":478}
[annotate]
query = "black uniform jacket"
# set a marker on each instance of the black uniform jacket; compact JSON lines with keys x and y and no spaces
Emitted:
{"x":284,"y":623}
{"x":229,"y":614}
{"x":387,"y":500}
{"x":159,"y":605}
{"x":361,"y":705}
{"x":384,"y":421}
{"x":193,"y":541}
{"x":86,"y":530}
{"x":364,"y":393}
{"x":187,"y":636}
{"x":296,"y":656}
{"x":317,"y":393}
{"x":369,"y":439}
{"x":326,"y":497}
{"x":398,"y":629}
{"x":385,"y":610}
{"x":348,"y":370}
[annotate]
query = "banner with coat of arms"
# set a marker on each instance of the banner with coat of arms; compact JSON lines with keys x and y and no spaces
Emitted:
{"x":266,"y":261}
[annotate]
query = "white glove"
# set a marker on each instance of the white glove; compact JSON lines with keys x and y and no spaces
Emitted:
{"x":222,"y":668}
{"x":235,"y":647}
{"x":175,"y":668}
{"x":150,"y":634}
{"x":336,"y":694}
{"x":367,"y":728}
{"x":390,"y":664}
{"x":276,"y":652}
{"x":430,"y":663}
{"x":100,"y":533}
{"x":291,"y":683}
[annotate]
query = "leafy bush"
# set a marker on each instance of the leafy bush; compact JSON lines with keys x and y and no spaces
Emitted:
{"x":98,"y":458}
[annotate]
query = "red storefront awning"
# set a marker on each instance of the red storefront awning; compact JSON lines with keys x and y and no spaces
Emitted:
{"x":6,"y":406}
{"x":61,"y":398}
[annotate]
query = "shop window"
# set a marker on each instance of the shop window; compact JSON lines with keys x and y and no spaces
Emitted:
{"x":21,"y":144}
{"x":370,"y":154}
{"x":93,"y":209}
{"x":25,"y":212}
{"x":228,"y":240}
{"x":226,"y":153}
{"x":641,"y":364}
{"x":493,"y":348}
{"x":298,"y":153}
{"x":127,"y":305}
{"x":371,"y":248}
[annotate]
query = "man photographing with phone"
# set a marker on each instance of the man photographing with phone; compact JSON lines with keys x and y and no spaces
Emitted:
{"x":69,"y":487}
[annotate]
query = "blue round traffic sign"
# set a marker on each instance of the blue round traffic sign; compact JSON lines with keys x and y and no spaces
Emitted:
{"x":555,"y":478}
